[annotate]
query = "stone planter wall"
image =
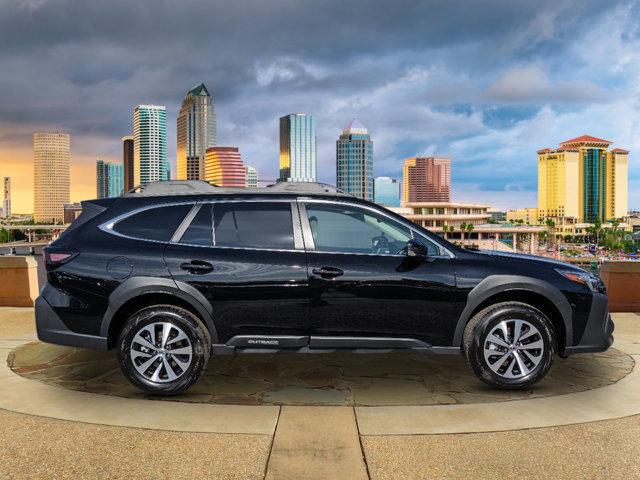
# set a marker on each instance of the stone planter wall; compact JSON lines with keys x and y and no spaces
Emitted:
{"x":18,"y":281}
{"x":623,"y":285}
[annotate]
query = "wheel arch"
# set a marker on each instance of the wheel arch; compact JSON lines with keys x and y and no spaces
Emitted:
{"x":138,"y":292}
{"x":535,"y":292}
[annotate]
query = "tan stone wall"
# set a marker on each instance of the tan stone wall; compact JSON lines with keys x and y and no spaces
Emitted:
{"x":18,"y":281}
{"x":623,"y":285}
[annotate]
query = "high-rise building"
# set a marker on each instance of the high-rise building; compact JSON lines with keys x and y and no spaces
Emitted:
{"x":426,"y":179}
{"x":224,"y":167}
{"x":102,"y":179}
{"x":116,"y":179}
{"x":109,"y":179}
{"x":252,"y":176}
{"x":298,"y":148}
{"x":582,"y":180}
{"x":127,"y":162}
{"x":387,"y":191}
{"x":196,"y":131}
{"x":150,"y":144}
{"x":51,"y":156}
{"x":6,"y":205}
{"x":354,"y":161}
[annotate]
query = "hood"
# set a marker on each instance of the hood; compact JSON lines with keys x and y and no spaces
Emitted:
{"x":530,"y":259}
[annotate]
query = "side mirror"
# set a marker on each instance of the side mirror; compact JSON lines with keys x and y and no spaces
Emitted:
{"x":415,"y":249}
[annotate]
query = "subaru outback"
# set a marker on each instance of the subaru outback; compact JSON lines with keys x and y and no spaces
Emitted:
{"x":175,"y":272}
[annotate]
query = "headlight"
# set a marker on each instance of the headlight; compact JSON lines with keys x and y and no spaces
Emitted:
{"x":592,"y":281}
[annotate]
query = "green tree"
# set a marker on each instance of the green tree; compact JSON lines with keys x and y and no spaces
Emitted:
{"x":463,"y":228}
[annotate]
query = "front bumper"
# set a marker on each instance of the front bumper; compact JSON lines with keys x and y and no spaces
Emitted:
{"x":598,"y":334}
{"x":52,"y":330}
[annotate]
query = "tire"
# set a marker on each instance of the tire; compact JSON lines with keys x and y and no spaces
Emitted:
{"x":156,"y":370}
{"x":515,"y":365}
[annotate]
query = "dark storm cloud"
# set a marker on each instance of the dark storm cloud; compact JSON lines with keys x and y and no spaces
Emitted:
{"x":418,"y":73}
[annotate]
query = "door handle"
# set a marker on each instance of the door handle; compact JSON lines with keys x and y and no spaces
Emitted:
{"x":327,"y":272}
{"x":197,"y":267}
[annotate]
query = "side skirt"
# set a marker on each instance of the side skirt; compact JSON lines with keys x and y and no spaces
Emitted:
{"x":323,"y":344}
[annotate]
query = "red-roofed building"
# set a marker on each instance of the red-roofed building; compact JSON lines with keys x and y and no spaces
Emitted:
{"x":585,"y":139}
{"x":582,"y":181}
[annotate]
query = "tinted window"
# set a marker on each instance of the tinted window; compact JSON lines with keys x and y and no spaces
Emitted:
{"x":200,"y":231}
{"x":342,"y":228}
{"x":259,"y":225}
{"x":153,"y":224}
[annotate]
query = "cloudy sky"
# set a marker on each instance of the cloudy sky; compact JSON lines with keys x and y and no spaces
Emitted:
{"x":484,"y":82}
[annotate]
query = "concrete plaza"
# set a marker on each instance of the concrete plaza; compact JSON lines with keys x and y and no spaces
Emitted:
{"x":68,"y":413}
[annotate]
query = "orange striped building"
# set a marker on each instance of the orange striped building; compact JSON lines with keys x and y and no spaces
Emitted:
{"x":224,"y":167}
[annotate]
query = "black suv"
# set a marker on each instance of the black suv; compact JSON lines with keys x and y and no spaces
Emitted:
{"x":178,"y":271}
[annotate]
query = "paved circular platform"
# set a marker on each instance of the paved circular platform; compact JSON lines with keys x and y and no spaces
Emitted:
{"x":391,"y":379}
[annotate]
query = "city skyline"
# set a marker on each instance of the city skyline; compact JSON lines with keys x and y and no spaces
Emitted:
{"x":486,"y":97}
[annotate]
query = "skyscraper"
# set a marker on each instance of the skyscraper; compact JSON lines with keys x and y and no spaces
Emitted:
{"x":252,"y":176}
{"x":196,"y":131}
{"x":426,"y":179}
{"x":581,"y":180}
{"x":224,"y":167}
{"x":102,"y":179}
{"x":150,"y":144}
{"x":387,"y":191}
{"x":116,"y":179}
{"x":6,"y":206}
{"x":298,"y":148}
{"x":354,"y":161}
{"x":109,"y":179}
{"x":127,"y":162}
{"x":51,"y":155}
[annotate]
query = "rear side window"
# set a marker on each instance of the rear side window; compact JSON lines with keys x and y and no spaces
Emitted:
{"x":200,"y":231}
{"x":257,"y":225}
{"x":158,"y":223}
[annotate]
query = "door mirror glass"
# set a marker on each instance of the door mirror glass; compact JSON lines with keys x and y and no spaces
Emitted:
{"x":415,"y":249}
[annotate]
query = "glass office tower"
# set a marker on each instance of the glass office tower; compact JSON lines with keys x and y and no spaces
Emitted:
{"x":298,"y":148}
{"x":196,"y":131}
{"x":150,"y":144}
{"x":109,"y":179}
{"x":354,"y":161}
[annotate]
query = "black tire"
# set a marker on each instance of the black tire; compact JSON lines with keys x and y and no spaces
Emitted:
{"x":198,"y":337}
{"x":476,"y":337}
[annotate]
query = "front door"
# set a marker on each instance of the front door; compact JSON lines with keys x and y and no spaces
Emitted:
{"x":242,"y":256}
{"x":363,"y":285}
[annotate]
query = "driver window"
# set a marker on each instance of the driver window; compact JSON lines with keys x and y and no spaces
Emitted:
{"x":347,"y":229}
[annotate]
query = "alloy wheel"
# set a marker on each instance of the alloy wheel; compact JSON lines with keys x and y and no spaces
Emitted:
{"x":161,"y":352}
{"x":513,"y":348}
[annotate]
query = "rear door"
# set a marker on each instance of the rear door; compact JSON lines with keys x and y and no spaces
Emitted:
{"x":247,"y":258}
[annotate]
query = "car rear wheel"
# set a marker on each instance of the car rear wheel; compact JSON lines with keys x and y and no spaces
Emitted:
{"x":509,"y":345}
{"x":163,"y":349}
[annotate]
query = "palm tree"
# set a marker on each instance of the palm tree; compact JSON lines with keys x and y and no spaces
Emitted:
{"x":470,"y":229}
{"x":463,"y":228}
{"x":550,"y":226}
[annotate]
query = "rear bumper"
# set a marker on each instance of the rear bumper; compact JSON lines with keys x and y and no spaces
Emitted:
{"x":52,"y":330}
{"x":598,"y":334}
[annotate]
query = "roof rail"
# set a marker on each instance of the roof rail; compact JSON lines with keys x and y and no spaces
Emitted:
{"x":172,"y":187}
{"x":200,"y":187}
{"x":305,"y":188}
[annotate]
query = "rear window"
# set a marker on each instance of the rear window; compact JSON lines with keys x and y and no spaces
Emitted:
{"x":158,"y":223}
{"x":256,"y":225}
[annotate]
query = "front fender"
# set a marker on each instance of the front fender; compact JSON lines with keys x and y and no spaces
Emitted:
{"x":496,"y":284}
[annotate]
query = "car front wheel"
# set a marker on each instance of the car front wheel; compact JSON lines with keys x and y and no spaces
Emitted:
{"x":163,"y":349}
{"x":509,"y":345}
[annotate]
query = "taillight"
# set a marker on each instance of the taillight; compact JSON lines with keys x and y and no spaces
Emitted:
{"x":58,"y":256}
